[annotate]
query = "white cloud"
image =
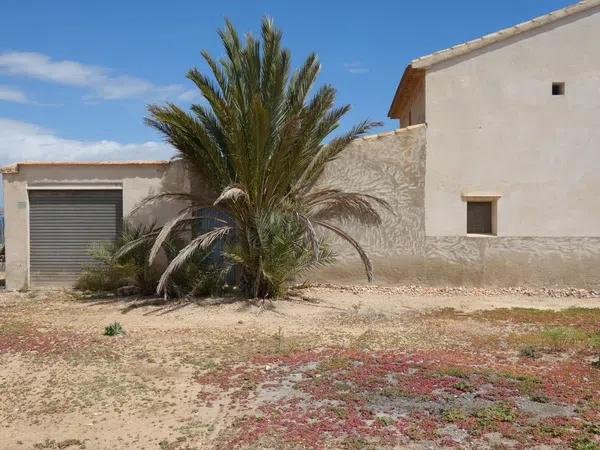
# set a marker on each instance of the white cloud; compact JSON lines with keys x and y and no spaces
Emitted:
{"x":22,"y":141}
{"x":355,"y":67}
{"x":10,"y":94}
{"x":103,"y":82}
{"x":189,"y":95}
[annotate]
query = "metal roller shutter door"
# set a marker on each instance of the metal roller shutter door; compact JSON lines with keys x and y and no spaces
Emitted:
{"x":63,"y":226}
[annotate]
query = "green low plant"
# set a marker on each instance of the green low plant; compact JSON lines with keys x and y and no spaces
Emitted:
{"x":539,"y":398}
{"x":457,"y":372}
{"x":126,"y":263}
{"x":386,"y":420}
{"x":114,"y":329}
{"x":393,"y":392}
{"x":286,"y":253}
{"x":498,"y":412}
{"x":529,"y":351}
{"x":552,"y":430}
{"x":463,"y":385}
{"x":105,"y":275}
{"x":584,"y":443}
{"x":115,"y":268}
{"x":563,"y":337}
{"x":558,"y":339}
{"x":592,"y":428}
{"x":454,"y":415}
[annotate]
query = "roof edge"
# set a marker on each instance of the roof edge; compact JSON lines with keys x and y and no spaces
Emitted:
{"x":407,"y":78}
{"x":14,"y":168}
{"x":439,"y":56}
{"x":383,"y":134}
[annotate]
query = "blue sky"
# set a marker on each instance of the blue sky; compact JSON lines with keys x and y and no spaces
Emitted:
{"x":75,"y":76}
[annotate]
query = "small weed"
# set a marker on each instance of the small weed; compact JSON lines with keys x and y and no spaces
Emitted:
{"x":596,"y":363}
{"x":523,"y":377}
{"x":584,"y":443}
{"x":453,"y":372}
{"x":563,"y":337}
{"x":592,"y":428}
{"x":414,"y":433}
{"x":581,"y":317}
{"x":393,"y":392}
{"x":365,"y":340}
{"x":551,"y":430}
{"x":454,"y":415}
{"x":335,"y":363}
{"x":356,"y":443}
{"x":339,"y":411}
{"x":68,"y":443}
{"x":15,"y":328}
{"x":529,"y":351}
{"x":528,"y":384}
{"x":279,"y":340}
{"x":249,"y":385}
{"x":340,"y":386}
{"x":539,"y":398}
{"x":558,"y":339}
{"x":463,"y":386}
{"x":48,"y":443}
{"x":498,"y":412}
{"x":386,"y":421}
{"x":114,"y":329}
{"x":166,"y":445}
{"x":595,"y":340}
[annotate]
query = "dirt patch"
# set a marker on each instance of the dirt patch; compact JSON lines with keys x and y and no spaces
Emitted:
{"x":330,"y":368}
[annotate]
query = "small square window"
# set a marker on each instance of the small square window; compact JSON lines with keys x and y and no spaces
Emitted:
{"x":558,"y":88}
{"x":479,"y":218}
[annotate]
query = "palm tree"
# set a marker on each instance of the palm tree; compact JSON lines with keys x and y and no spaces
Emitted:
{"x":259,"y":142}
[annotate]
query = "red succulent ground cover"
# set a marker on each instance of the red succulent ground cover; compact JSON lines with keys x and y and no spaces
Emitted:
{"x":47,"y":342}
{"x":358,"y":398}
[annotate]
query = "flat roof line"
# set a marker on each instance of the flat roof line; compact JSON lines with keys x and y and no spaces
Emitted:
{"x":14,"y":168}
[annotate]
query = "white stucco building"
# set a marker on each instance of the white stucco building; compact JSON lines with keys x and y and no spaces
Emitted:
{"x":514,"y":115}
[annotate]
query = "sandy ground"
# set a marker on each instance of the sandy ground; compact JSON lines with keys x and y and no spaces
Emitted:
{"x":314,"y":309}
{"x":63,"y":384}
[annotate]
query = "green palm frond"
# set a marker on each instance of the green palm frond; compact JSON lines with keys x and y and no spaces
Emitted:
{"x":261,"y":141}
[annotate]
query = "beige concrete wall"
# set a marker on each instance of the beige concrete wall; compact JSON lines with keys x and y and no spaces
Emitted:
{"x":138,"y":182}
{"x":493,"y":125}
{"x":512,"y":261}
{"x":392,"y":167}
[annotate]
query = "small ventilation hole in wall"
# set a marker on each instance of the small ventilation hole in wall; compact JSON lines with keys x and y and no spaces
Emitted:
{"x":558,"y":88}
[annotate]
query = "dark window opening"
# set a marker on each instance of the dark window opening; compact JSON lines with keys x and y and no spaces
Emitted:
{"x":410,"y":118}
{"x":479,"y":217}
{"x":558,"y":88}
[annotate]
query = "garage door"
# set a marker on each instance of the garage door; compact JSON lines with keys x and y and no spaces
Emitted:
{"x":63,"y":226}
